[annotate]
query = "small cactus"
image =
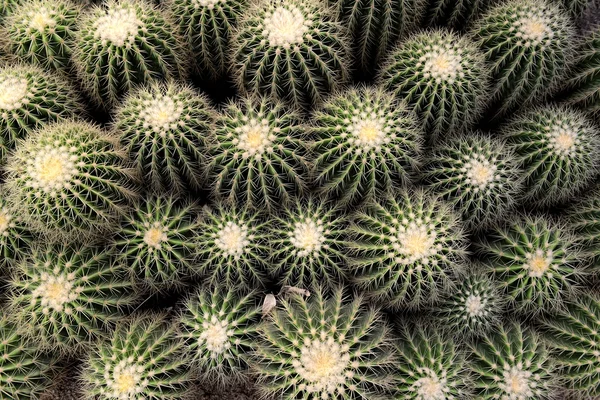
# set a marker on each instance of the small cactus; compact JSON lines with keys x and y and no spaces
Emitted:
{"x":219,"y":328}
{"x":290,"y":50}
{"x":442,"y":76}
{"x":15,"y":237}
{"x":454,"y":13}
{"x":257,"y":157}
{"x":69,"y":178}
{"x":364,"y":142}
{"x":164,"y":129}
{"x":324,"y":348}
{"x":478,"y":174}
{"x":64,"y":296}
{"x":407,"y":248}
{"x":512,"y":363}
{"x":556,"y":147}
{"x":123,"y":43}
{"x":156,"y":241}
{"x":42,"y":31}
{"x":527,"y":43}
{"x":142,"y":360}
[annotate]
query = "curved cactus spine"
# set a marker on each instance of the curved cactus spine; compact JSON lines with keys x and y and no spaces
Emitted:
{"x":407,"y":248}
{"x":290,"y":50}
{"x":69,"y":178}
{"x":442,"y":76}
{"x":454,"y":13}
{"x":165,"y":129}
{"x":324,"y":348}
{"x":142,"y":360}
{"x":15,"y":237}
{"x":364,"y":141}
{"x":122,"y":43}
{"x":257,"y":157}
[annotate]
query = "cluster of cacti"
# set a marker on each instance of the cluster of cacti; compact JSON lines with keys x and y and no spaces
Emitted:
{"x":343,"y":200}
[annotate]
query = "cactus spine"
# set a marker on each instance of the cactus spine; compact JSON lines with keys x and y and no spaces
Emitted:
{"x":454,"y":13}
{"x":15,"y":237}
{"x":583,"y":87}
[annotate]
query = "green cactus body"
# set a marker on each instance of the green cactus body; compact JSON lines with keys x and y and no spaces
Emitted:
{"x":583,"y":89}
{"x":442,"y":77}
{"x":69,"y":179}
{"x":576,"y":8}
{"x":430,"y":366}
{"x":407,"y":248}
{"x":527,"y":43}
{"x":291,"y":50}
{"x":63,"y":297}
{"x":364,"y":142}
{"x":232,"y":246}
{"x":6,"y":7}
{"x":454,"y":13}
{"x":584,"y":221}
{"x":557,"y":149}
{"x":15,"y":237}
{"x":478,"y":174}
{"x":258,"y":156}
{"x":512,"y":363}
{"x":164,"y":128}
{"x":142,"y":360}
{"x":29,"y":99}
{"x":219,"y":327}
{"x":207,"y":27}
{"x":123,"y":43}
{"x":157,"y":241}
{"x":308,"y":244}
{"x":324,"y":348}
{"x":41,"y":32}
{"x":537,"y":262}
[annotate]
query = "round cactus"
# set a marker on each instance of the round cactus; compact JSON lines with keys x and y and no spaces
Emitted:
{"x":207,"y":27}
{"x":526,"y":42}
{"x":219,"y":328}
{"x":29,"y":99}
{"x":142,"y":360}
{"x":454,"y":13}
{"x":324,"y":348}
{"x":15,"y":237}
{"x":69,"y":178}
{"x":512,"y":363}
{"x":478,"y":174}
{"x":64,"y":296}
{"x":257,"y":157}
{"x":308,"y":244}
{"x":556,"y":147}
{"x":441,"y":76}
{"x":537,"y":262}
{"x":407,"y":248}
{"x":430,"y":366}
{"x":122,"y":43}
{"x":231,"y":246}
{"x":42,"y":32}
{"x":156,"y":241}
{"x":291,"y":50}
{"x":364,"y":142}
{"x":164,"y":128}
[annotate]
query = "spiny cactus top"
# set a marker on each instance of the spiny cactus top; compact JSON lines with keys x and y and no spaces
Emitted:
{"x":64,"y":296}
{"x":478,"y":174}
{"x":324,"y":348}
{"x":527,"y":43}
{"x":257,"y":158}
{"x":512,"y":363}
{"x":30,"y":98}
{"x":365,"y":142}
{"x":453,"y":13}
{"x":292,"y":50}
{"x":42,"y":31}
{"x":69,"y":177}
{"x":406,"y":248}
{"x":442,"y":76}
{"x":141,"y":361}
{"x":165,"y":128}
{"x":15,"y":236}
{"x":122,"y":43}
{"x":557,"y":147}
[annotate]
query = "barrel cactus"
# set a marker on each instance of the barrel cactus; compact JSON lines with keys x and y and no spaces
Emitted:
{"x":407,"y":248}
{"x":15,"y":236}
{"x":583,"y":87}
{"x":123,"y":43}
{"x":164,"y":128}
{"x":454,"y":13}
{"x":290,"y":50}
{"x":364,"y":142}
{"x":69,"y":178}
